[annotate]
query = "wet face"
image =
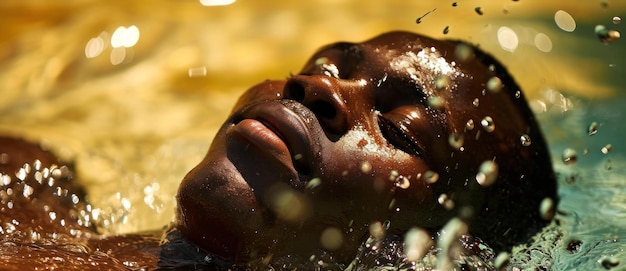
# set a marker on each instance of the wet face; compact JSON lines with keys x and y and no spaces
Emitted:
{"x":366,"y":132}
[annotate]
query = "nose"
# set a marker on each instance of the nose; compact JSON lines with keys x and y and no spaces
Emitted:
{"x":322,"y":95}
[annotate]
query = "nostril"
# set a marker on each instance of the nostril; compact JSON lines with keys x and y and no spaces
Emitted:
{"x":323,"y":109}
{"x":294,"y":91}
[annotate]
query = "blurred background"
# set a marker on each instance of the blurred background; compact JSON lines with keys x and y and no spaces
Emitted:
{"x":133,"y":91}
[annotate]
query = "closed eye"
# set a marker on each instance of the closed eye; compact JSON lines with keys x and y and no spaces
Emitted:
{"x":398,"y":134}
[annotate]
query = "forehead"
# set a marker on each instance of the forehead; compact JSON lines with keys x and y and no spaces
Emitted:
{"x":416,"y":58}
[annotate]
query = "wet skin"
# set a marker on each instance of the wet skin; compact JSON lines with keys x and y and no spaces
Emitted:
{"x":354,"y":138}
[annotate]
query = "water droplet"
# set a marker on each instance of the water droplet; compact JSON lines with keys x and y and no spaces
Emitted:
{"x":442,"y":82}
{"x":593,"y":128}
{"x":75,"y":199}
{"x":446,"y":30}
{"x":606,"y":35}
{"x":419,"y":20}
{"x":366,"y":167}
{"x":28,"y":191}
{"x":569,"y":156}
{"x":617,"y":20}
{"x":21,"y":174}
{"x":494,"y":84}
{"x":488,"y":124}
{"x":6,"y":179}
{"x":53,"y":215}
{"x":435,"y":102}
{"x":57,"y":173}
{"x":487,"y":173}
{"x":417,"y":242}
{"x":564,"y":21}
{"x":37,"y":165}
{"x":4,"y":158}
{"x":543,"y":42}
{"x":478,"y":10}
{"x":197,"y":72}
{"x":608,"y":262}
{"x":455,"y":141}
{"x":507,"y":38}
{"x":402,"y":182}
{"x":525,"y":139}
{"x":430,"y":177}
{"x":377,"y":230}
{"x":331,"y":238}
{"x":606,"y":149}
{"x":393,"y":175}
{"x":445,"y":201}
{"x":463,"y":52}
{"x":547,"y":209}
{"x":469,"y":125}
{"x":476,"y":102}
{"x":38,"y":177}
{"x":502,"y":260}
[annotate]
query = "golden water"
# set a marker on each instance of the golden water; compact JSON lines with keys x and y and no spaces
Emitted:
{"x":135,"y":118}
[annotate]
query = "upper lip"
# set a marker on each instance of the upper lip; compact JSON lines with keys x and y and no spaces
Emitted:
{"x":289,"y":120}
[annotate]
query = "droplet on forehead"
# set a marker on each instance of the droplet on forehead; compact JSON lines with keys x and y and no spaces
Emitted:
{"x":366,"y":167}
{"x":442,"y":82}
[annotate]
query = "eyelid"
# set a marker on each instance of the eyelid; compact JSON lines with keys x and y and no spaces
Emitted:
{"x":393,"y":91}
{"x":396,"y":129}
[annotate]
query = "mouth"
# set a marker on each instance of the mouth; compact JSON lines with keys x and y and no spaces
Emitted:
{"x":280,"y":130}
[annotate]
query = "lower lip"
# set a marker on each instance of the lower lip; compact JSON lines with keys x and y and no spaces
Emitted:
{"x":264,"y":139}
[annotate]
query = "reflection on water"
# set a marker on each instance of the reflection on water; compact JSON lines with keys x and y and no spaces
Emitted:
{"x":134,"y":91}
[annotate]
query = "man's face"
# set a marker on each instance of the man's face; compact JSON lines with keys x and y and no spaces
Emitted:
{"x":366,"y":132}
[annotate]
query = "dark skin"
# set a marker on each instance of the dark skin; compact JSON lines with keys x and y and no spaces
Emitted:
{"x":391,"y":103}
{"x":353,"y":139}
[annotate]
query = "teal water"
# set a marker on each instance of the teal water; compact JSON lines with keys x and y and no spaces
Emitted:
{"x":592,"y":190}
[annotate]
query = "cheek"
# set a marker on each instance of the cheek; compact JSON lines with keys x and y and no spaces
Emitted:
{"x":361,"y":164}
